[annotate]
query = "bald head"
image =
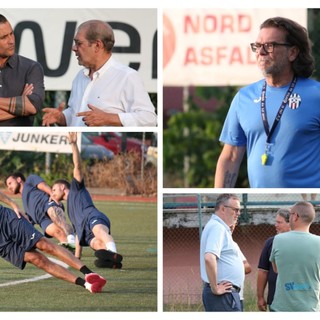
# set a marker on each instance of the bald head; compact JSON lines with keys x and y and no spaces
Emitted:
{"x":305,"y":210}
{"x":98,"y":30}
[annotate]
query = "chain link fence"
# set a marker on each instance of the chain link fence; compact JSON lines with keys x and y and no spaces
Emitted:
{"x":185,"y":215}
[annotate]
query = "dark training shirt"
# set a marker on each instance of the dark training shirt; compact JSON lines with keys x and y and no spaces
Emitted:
{"x":265,"y":264}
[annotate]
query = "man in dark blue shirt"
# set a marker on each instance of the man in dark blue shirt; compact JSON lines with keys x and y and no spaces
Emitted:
{"x":92,"y":226}
{"x":21,"y":82}
{"x":266,"y":274}
{"x":40,"y":208}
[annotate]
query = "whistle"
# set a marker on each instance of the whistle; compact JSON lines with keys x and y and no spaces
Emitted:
{"x":264,"y":159}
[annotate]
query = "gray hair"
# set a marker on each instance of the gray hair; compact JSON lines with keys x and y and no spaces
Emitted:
{"x":99,"y":30}
{"x":284,"y":213}
{"x":225,"y":197}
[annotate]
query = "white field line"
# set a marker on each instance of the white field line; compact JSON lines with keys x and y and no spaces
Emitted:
{"x":45,"y":276}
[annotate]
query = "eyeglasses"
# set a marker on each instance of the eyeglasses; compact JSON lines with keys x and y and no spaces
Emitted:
{"x":268,"y":46}
{"x":234,"y":209}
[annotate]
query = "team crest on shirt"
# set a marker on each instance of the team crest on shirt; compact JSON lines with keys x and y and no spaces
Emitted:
{"x":294,"y":101}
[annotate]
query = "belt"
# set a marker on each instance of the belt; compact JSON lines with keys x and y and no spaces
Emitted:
{"x":233,"y":288}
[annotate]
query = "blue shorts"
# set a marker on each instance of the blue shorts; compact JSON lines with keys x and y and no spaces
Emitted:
{"x":94,"y":219}
{"x":17,"y":236}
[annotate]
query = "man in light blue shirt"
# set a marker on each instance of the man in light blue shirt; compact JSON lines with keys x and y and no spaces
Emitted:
{"x":275,"y":121}
{"x":221,"y":265}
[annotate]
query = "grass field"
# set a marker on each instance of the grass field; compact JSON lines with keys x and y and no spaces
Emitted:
{"x":133,"y":288}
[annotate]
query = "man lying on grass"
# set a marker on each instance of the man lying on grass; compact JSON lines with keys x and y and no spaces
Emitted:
{"x":20,"y":243}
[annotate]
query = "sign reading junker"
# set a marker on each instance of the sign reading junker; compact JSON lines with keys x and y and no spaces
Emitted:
{"x":56,"y":142}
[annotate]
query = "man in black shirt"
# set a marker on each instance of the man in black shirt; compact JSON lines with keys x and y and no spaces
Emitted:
{"x":21,"y":82}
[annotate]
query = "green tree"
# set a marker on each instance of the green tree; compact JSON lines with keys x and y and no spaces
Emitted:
{"x":35,"y":162}
{"x":193,"y":136}
{"x":314,"y":34}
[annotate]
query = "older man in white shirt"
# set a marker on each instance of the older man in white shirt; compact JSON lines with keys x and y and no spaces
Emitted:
{"x":106,"y":92}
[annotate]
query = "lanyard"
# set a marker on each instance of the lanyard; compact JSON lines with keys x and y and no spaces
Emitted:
{"x":264,"y":157}
{"x":280,"y":111}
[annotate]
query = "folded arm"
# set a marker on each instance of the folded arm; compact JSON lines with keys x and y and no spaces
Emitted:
{"x":19,"y":106}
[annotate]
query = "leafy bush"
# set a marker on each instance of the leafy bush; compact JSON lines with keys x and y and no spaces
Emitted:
{"x":124,"y":172}
{"x":191,"y":145}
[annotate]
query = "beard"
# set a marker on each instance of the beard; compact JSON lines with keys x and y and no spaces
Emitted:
{"x":272,"y":68}
{"x":16,"y":190}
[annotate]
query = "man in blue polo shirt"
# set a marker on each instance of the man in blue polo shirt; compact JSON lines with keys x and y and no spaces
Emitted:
{"x":276,"y":121}
{"x":221,"y":265}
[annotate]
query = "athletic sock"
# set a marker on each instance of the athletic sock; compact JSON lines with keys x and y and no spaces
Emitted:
{"x":111,"y":246}
{"x":85,"y":270}
{"x":70,"y":238}
{"x":80,"y":282}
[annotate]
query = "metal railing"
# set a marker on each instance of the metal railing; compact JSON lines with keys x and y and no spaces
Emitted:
{"x":195,"y":203}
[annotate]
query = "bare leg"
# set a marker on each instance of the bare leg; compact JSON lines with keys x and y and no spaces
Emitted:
{"x":42,"y":262}
{"x":105,"y":248}
{"x":102,"y":237}
{"x":92,"y":282}
{"x":54,"y":231}
{"x":63,"y":254}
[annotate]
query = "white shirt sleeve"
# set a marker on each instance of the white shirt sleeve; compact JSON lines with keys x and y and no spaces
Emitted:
{"x":139,"y":108}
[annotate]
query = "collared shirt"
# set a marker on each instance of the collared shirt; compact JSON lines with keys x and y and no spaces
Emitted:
{"x":216,"y":238}
{"x":115,"y":88}
{"x":13,"y":77}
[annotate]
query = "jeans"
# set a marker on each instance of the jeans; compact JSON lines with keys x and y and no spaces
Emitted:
{"x":225,"y":302}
